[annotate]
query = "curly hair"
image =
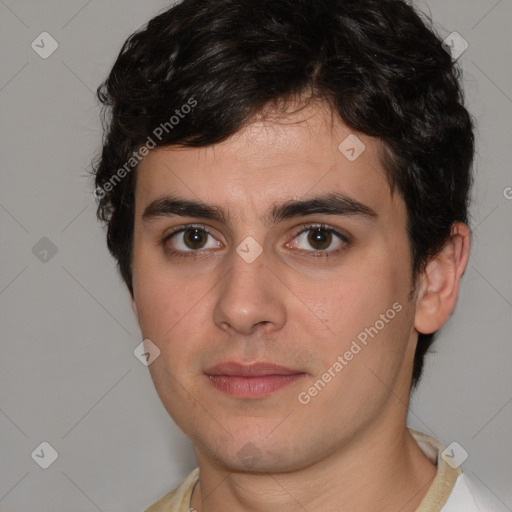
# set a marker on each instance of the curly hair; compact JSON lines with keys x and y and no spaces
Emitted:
{"x":377,"y":63}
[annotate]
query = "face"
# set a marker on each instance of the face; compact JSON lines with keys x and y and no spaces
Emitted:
{"x":279,"y":302}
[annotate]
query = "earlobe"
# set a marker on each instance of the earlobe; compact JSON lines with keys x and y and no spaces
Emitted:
{"x":440,"y":281}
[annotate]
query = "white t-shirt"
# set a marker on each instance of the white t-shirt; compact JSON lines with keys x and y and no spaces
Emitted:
{"x":469,"y":495}
{"x":450,"y":491}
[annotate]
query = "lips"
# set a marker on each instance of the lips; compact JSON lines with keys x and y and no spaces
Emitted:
{"x":233,"y":369}
{"x":254,"y":380}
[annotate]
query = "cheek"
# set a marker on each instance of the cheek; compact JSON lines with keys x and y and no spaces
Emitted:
{"x":359,"y":296}
{"x":172,"y":313}
{"x":162,"y":310}
{"x":160,"y":302}
{"x":156,"y":292}
{"x":365,"y":312}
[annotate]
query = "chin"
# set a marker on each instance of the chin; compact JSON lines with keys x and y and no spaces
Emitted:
{"x":253,"y":454}
{"x":251,"y":460}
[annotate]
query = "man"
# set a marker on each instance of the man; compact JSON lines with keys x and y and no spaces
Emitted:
{"x":286,"y":188}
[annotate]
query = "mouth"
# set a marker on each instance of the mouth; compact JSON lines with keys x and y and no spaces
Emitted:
{"x":254,"y":380}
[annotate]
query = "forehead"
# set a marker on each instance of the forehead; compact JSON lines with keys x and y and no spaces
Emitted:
{"x":272,"y":159}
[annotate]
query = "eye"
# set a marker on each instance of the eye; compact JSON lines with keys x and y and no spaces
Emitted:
{"x":189,"y":239}
{"x":320,"y":238}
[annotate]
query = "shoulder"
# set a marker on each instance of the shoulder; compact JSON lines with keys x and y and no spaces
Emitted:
{"x":472,"y":495}
{"x":177,"y":500}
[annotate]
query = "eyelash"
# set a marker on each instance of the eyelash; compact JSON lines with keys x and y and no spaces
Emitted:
{"x":308,"y":227}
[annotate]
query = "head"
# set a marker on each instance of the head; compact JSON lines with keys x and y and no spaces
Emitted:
{"x":223,"y":113}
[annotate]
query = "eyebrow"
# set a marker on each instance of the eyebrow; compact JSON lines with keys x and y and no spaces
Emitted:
{"x":328,"y":204}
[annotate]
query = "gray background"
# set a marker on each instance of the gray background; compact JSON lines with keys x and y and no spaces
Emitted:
{"x":68,"y":373}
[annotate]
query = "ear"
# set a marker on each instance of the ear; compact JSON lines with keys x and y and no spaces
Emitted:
{"x":439,"y":286}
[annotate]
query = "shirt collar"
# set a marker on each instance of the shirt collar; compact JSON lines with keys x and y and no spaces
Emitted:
{"x":446,"y":475}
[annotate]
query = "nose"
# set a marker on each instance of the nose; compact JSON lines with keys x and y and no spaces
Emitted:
{"x":250,"y":296}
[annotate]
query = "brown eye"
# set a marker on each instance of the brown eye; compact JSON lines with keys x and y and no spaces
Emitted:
{"x":195,"y":238}
{"x":319,"y":238}
{"x":189,"y":239}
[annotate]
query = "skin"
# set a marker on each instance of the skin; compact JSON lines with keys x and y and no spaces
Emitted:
{"x":348,"y":449}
